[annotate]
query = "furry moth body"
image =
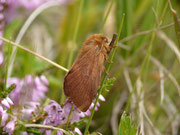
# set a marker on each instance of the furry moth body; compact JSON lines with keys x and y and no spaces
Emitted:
{"x":83,"y":79}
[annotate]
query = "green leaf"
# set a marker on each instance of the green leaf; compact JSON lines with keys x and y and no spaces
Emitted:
{"x":5,"y":92}
{"x":126,"y":127}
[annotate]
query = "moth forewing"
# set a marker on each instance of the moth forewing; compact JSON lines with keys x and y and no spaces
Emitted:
{"x":83,"y":79}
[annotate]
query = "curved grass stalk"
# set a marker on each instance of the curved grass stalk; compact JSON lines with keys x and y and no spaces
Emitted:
{"x":171,"y":77}
{"x":24,"y":28}
{"x":170,"y":44}
{"x":35,"y":54}
{"x":146,"y":32}
{"x":104,"y":79}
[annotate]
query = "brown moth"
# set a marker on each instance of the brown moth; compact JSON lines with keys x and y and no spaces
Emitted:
{"x":83,"y":79}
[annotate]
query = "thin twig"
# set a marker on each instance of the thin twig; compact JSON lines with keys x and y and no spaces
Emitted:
{"x":29,"y":51}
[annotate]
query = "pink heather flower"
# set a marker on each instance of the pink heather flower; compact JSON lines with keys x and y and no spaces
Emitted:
{"x":44,"y":80}
{"x":1,"y":57}
{"x":55,"y":114}
{"x":9,"y":128}
{"x":98,"y":104}
{"x":16,"y":93}
{"x":102,"y":98}
{"x":92,"y":105}
{"x":1,"y":16}
{"x":7,"y":102}
{"x":87,"y":113}
{"x":48,"y":132}
{"x":29,"y":109}
{"x":33,"y":89}
{"x":40,"y":85}
{"x":27,"y":90}
{"x":59,"y":133}
{"x":58,"y":115}
{"x":4,"y":118}
{"x":1,"y":7}
{"x":1,"y":110}
{"x":27,"y":94}
{"x":1,"y":31}
{"x":76,"y":130}
{"x":76,"y":113}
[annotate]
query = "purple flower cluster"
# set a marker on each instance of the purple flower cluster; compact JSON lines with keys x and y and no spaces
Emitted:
{"x":25,"y":98}
{"x":15,"y":6}
{"x":2,"y":23}
{"x":30,"y":89}
{"x":57,"y":115}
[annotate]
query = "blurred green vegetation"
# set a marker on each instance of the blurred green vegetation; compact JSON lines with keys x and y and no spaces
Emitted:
{"x":56,"y":26}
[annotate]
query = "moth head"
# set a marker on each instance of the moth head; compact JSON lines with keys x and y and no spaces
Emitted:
{"x":97,"y":39}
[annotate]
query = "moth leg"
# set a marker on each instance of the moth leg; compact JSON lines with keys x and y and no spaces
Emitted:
{"x":114,"y":46}
{"x":108,"y":75}
{"x":109,"y":62}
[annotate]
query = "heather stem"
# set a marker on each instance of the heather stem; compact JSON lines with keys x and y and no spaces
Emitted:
{"x":104,"y":79}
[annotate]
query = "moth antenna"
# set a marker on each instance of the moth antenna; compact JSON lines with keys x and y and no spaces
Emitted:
{"x":112,"y":42}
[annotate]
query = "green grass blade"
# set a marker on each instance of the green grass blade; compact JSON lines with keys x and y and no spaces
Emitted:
{"x":75,"y":33}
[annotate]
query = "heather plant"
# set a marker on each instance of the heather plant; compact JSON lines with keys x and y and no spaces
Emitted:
{"x":139,"y":90}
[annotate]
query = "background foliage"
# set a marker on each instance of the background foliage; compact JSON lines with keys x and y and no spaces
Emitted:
{"x":145,"y":70}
